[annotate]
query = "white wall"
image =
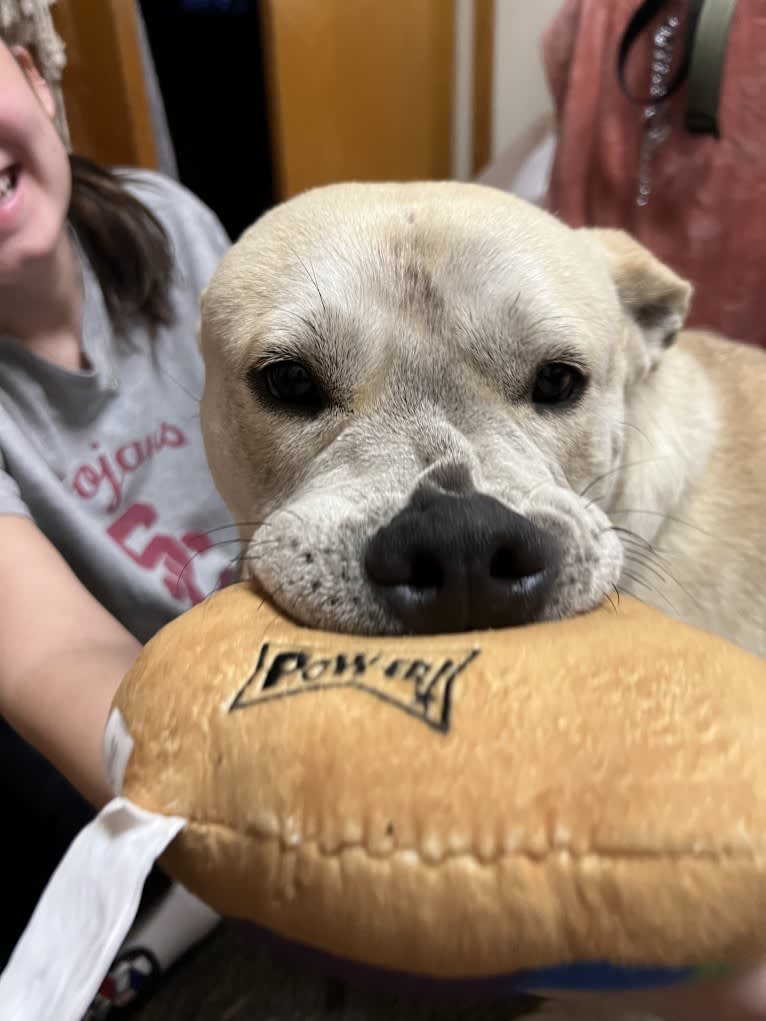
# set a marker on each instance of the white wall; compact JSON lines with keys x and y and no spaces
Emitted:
{"x":520,"y":91}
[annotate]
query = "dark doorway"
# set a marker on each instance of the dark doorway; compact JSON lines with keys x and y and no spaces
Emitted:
{"x":209,"y":60}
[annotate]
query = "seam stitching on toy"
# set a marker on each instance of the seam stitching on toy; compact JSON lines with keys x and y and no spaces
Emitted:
{"x":527,"y":855}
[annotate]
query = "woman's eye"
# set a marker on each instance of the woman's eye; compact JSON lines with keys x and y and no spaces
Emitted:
{"x":557,"y":383}
{"x":291,"y":385}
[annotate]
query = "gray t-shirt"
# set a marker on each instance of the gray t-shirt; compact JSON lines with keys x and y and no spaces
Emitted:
{"x":109,"y":461}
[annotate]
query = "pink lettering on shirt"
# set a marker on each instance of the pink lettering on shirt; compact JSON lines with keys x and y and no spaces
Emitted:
{"x":137,"y":530}
{"x":107,"y":472}
{"x":136,"y":534}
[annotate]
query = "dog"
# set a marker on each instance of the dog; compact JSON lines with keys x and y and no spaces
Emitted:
{"x":433,"y":407}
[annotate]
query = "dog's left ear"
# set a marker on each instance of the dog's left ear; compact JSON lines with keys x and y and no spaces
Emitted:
{"x":654,"y":298}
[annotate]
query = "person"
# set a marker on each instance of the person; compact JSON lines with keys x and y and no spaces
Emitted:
{"x":110,"y":525}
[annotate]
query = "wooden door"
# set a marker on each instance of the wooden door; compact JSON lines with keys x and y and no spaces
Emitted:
{"x":104,"y":87}
{"x":359,"y":89}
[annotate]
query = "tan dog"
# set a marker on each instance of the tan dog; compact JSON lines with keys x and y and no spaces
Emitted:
{"x":432,"y":407}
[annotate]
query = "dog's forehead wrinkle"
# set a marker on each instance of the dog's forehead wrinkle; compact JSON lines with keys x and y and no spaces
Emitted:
{"x":400,"y":286}
{"x":420,"y":288}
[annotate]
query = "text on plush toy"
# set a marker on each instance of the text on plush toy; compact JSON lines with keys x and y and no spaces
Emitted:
{"x":420,"y":687}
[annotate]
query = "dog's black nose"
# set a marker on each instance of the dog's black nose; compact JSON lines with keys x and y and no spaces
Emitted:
{"x":458,"y":563}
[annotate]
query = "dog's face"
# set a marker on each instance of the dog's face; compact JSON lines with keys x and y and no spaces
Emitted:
{"x":416,"y":403}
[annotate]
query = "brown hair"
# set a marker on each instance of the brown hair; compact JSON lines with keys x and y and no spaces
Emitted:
{"x":127,"y":246}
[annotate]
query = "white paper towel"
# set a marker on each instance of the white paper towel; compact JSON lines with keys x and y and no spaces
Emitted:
{"x":84,"y":915}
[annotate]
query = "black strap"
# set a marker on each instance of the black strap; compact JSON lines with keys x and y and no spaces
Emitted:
{"x":644,"y":15}
{"x":706,"y":67}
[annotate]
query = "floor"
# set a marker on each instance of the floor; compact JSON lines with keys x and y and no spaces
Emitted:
{"x":229,"y":978}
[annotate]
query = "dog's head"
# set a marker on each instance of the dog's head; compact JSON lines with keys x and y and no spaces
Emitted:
{"x":416,"y":401}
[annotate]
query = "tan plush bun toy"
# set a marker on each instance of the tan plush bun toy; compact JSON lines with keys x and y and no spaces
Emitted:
{"x":570,"y":805}
{"x":588,"y":794}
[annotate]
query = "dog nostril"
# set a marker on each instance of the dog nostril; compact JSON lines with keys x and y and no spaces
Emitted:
{"x":507,"y":565}
{"x":426,"y":572}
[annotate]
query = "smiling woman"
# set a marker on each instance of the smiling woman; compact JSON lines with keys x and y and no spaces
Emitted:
{"x":40,"y":183}
{"x":105,"y":497}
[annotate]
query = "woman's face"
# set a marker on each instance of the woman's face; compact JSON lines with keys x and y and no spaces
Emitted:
{"x":35,"y":179}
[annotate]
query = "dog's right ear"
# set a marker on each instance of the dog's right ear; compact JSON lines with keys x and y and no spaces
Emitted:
{"x":654,"y":298}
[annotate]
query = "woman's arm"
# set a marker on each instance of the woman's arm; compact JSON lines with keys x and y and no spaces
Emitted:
{"x":62,"y":657}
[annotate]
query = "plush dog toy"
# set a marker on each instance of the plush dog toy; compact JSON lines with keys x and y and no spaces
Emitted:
{"x":571,"y":804}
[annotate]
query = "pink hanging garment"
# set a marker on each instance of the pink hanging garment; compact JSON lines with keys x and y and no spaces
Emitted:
{"x":696,"y":200}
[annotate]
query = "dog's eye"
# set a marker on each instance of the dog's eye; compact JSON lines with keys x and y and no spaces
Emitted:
{"x":557,"y":383}
{"x":291,"y":384}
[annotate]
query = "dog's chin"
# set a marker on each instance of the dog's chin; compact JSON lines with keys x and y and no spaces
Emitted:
{"x":370,"y":619}
{"x":331,"y":613}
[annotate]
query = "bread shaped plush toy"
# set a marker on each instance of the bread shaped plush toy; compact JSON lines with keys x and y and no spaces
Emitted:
{"x":464,"y":807}
{"x":570,"y":804}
